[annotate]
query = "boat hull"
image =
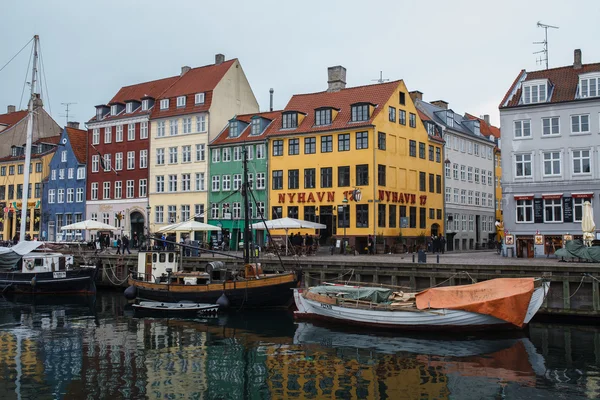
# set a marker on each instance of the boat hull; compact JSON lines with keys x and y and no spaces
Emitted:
{"x":268,"y":292}
{"x":442,"y":319}
{"x":74,"y":281}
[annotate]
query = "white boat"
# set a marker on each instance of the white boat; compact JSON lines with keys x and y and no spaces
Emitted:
{"x":488,"y":305}
{"x":174,"y":309}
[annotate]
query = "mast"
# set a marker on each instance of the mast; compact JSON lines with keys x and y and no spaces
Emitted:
{"x":26,"y":168}
{"x":246,"y":210}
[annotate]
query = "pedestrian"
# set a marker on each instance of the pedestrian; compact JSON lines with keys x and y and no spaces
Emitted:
{"x":442,"y":244}
{"x":163,"y":238}
{"x":188,"y":243}
{"x":135,"y":241}
{"x":332,"y":243}
{"x":371,"y":245}
{"x":119,"y":245}
{"x":126,"y":244}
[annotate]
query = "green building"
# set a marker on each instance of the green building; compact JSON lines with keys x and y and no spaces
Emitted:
{"x":225,"y":204}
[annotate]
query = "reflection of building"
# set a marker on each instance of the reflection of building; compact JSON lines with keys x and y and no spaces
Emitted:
{"x":360,"y":160}
{"x":550,"y":158}
{"x":11,"y":187}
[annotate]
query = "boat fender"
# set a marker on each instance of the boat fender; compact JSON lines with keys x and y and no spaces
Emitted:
{"x":223,"y":301}
{"x":130,"y":293}
{"x":33,"y":281}
{"x":29,"y":265}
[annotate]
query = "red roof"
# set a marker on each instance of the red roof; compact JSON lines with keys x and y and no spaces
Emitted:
{"x":224,"y":139}
{"x":564,"y":81}
{"x":78,"y":139}
{"x":485,"y":128}
{"x":12,"y":118}
{"x":34,"y":155}
{"x":423,"y":116}
{"x":377,"y":94}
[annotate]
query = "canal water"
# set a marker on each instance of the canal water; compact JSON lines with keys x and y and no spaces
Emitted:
{"x":96,"y":349}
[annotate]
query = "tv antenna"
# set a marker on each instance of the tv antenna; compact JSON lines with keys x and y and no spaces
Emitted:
{"x":67,"y":110}
{"x":380,"y":80}
{"x":544,"y":51}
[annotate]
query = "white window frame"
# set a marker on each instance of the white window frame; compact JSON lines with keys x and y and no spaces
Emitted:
{"x":186,"y":182}
{"x":160,"y":156}
{"x":130,"y":160}
{"x":173,"y":154}
{"x":51,"y":196}
{"x":260,"y":151}
{"x":94,"y":189}
{"x":180,"y":101}
{"x":530,"y":162}
{"x":200,"y":182}
{"x":119,"y":133}
{"x":549,"y":128}
{"x":186,"y":154}
{"x":144,"y":158}
{"x":579,"y":118}
{"x":520,"y":127}
{"x":216,"y":183}
{"x":80,"y":172}
{"x":585,"y":89}
{"x":70,"y":173}
{"x":79,"y":195}
{"x":143,"y":188}
{"x":201,"y":123}
{"x":129,"y":108}
{"x":200,"y":152}
{"x":226,"y":182}
{"x":552,"y":160}
{"x":164,"y":104}
{"x":199,"y":98}
{"x":118,"y":161}
{"x":535,"y":92}
{"x":579,"y":160}
{"x":173,"y":127}
{"x":143,"y":130}
{"x":161,"y":127}
{"x":172,"y":183}
{"x":160,"y":183}
{"x":145,"y":104}
{"x":261,"y":180}
{"x":96,"y":136}
{"x":113,"y":109}
{"x":118,"y":189}
{"x":159,"y":214}
{"x":216,"y":155}
{"x":556,"y":204}
{"x":106,"y":191}
{"x":226,"y":157}
{"x":130,"y":190}
{"x":130,"y":132}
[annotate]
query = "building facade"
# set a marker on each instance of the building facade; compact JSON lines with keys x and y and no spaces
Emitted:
{"x":550,"y":146}
{"x":189,"y":114}
{"x":244,"y":132}
{"x":11,"y":187}
{"x":118,"y":158}
{"x":63,"y":199}
{"x":469,"y":177}
{"x":359,"y":161}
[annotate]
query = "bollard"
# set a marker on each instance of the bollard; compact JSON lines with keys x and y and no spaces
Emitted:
{"x":438,"y":258}
{"x":413,"y":258}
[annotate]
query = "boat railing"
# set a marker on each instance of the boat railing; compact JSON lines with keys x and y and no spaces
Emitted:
{"x":141,"y":276}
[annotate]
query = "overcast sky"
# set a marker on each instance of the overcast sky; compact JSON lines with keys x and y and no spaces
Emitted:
{"x":466,"y":52}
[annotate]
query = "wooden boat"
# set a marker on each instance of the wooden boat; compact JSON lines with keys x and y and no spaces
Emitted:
{"x":25,"y":271}
{"x":490,"y":305}
{"x":175,"y":309}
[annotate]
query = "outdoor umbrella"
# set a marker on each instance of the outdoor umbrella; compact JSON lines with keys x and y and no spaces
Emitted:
{"x":287,"y":223}
{"x":89,"y":225}
{"x":587,"y":223}
{"x":189,"y":226}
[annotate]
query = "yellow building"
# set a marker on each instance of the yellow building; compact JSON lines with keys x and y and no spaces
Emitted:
{"x":11,"y":187}
{"x":186,"y":117}
{"x":359,"y":161}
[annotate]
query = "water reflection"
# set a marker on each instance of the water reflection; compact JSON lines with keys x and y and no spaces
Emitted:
{"x":96,"y":349}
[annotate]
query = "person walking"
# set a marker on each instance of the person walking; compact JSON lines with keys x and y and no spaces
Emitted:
{"x":371,"y":245}
{"x":442,"y":244}
{"x":119,"y":242}
{"x":126,"y":244}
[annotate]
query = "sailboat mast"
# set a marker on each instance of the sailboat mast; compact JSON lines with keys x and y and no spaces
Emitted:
{"x":24,"y":209}
{"x":246,"y":210}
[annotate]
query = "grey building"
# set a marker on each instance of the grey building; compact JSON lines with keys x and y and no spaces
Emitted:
{"x":550,"y":155}
{"x":469,"y":176}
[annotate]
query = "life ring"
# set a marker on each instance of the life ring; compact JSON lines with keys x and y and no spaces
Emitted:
{"x":29,"y":265}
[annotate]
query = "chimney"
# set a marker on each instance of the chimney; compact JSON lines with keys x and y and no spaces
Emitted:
{"x":415,"y":94}
{"x":486,"y":118}
{"x":11,"y":109}
{"x":219,"y":59}
{"x":577,"y":59}
{"x":441,"y":104}
{"x":73,"y":124}
{"x":336,"y":78}
{"x":184,"y":70}
{"x":271,"y":95}
{"x":37,"y":101}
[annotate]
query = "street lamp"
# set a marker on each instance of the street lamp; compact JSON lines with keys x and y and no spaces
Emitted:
{"x":148,"y":208}
{"x":342,"y":209}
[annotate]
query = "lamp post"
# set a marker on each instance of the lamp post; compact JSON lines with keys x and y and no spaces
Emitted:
{"x":148,"y":209}
{"x":342,"y":210}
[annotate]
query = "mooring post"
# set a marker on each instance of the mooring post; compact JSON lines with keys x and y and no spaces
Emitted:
{"x":413,"y":258}
{"x":438,"y":258}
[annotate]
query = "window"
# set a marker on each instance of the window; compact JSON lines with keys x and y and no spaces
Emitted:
{"x":580,"y":123}
{"x":447,"y":169}
{"x":216,"y":155}
{"x":260,"y":151}
{"x":489,"y":174}
{"x":438,"y":184}
{"x":94,"y":194}
{"x":476,"y":149}
{"x":476,"y":175}
{"x":578,"y":208}
{"x":237,"y":153}
{"x":107,"y":137}
{"x":199,"y":98}
{"x":293,"y":147}
{"x":164,"y":104}
{"x":310,"y":145}
{"x":462,"y":173}
{"x":392,"y":114}
{"x":200,"y":185}
{"x":216,"y":183}
{"x":471,"y":222}
{"x":226,"y":157}
{"x":522,"y":129}
{"x":130,"y":159}
{"x":523,"y":165}
{"x":326,"y":177}
{"x":119,"y":133}
{"x":277,"y":180}
{"x":438,"y":155}
{"x":381,"y":140}
{"x":344,"y":142}
{"x":11,"y":170}
{"x":412,"y":148}
{"x":422,"y":150}
{"x":343,"y":176}
{"x":201,"y":123}
{"x":143,"y":158}
{"x":381,"y":178}
{"x":289,"y":120}
{"x":118,"y":189}
{"x":233,"y":129}
{"x":534,"y":93}
{"x":118,"y":161}
{"x":226,"y":182}
{"x":524,"y":211}
{"x":173,"y":127}
{"x":173,"y":155}
{"x":78,"y":197}
{"x":553,"y":210}
{"x":422,"y":183}
{"x":323,"y":116}
{"x":131,"y":132}
{"x":185,"y":212}
{"x":422,"y":217}
{"x":412,"y":120}
{"x":362,"y":215}
{"x":186,"y":124}
{"x":360,"y":112}
{"x":293,"y":179}
{"x":105,"y":191}
{"x":143,"y":187}
{"x":463,"y":196}
{"x":362,"y":140}
{"x":160,"y":156}
{"x":581,"y":162}
{"x":431,"y":152}
{"x":159,"y":214}
{"x":277,"y":147}
{"x":550,"y":126}
{"x":186,"y":153}
{"x":61,"y":172}
{"x":470,"y":197}
{"x":237,"y":181}
{"x":455,"y":171}
{"x":145,"y":105}
{"x":402,"y":117}
{"x":172,"y":183}
{"x":181,"y":101}
{"x":381,"y":217}
{"x":200,"y":152}
{"x":477,"y":197}
{"x":96,"y":136}
{"x":431,"y":183}
{"x":552,"y":163}
{"x":326,"y":144}
{"x":362,"y":175}
{"x":51,"y":195}
{"x":261,"y":180}
{"x":107,"y":165}
{"x":310,"y":178}
{"x":186,"y":182}
{"x":160,"y":184}
{"x":449,"y":195}
{"x":469,"y":147}
{"x":490,"y":201}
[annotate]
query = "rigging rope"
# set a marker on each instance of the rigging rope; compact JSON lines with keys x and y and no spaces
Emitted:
{"x":15,"y":56}
{"x":45,"y":80}
{"x":25,"y":82}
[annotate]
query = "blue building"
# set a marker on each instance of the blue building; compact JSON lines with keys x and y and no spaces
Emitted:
{"x":63,"y":200}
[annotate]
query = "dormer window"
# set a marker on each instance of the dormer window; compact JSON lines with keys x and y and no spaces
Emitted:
{"x":164,"y":104}
{"x":360,"y":112}
{"x":181,"y":101}
{"x":14,"y":152}
{"x":477,"y":128}
{"x":535,"y":92}
{"x":589,"y":85}
{"x":233,"y":129}
{"x":289,"y":120}
{"x":129,"y":108}
{"x":323,"y":116}
{"x":450,"y":118}
{"x":255,"y":127}
{"x":199,"y":98}
{"x":113,"y":109}
{"x":145,"y":105}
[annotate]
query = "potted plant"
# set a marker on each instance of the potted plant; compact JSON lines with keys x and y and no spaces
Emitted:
{"x":421,"y":241}
{"x":398,"y":246}
{"x":380,"y":244}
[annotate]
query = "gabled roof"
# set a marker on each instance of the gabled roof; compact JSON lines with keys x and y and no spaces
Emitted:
{"x":12,"y":118}
{"x":485,"y":128}
{"x":377,"y":94}
{"x":224,"y":139}
{"x":564,"y":81}
{"x":433,"y":113}
{"x":78,"y":139}
{"x":34,"y":155}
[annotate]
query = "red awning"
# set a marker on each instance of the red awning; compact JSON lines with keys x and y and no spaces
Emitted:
{"x":523,"y":197}
{"x":552,"y":196}
{"x":582,"y":195}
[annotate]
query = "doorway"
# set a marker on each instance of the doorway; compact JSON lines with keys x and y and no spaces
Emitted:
{"x":137,"y":225}
{"x":328,"y":219}
{"x":435,"y":229}
{"x":477,"y":232}
{"x":525,"y":247}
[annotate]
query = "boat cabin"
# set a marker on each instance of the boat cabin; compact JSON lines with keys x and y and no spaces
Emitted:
{"x":34,"y":263}
{"x":153,"y":265}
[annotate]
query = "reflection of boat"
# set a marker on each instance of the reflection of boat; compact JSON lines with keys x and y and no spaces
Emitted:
{"x":174,"y":309}
{"x":493,"y":304}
